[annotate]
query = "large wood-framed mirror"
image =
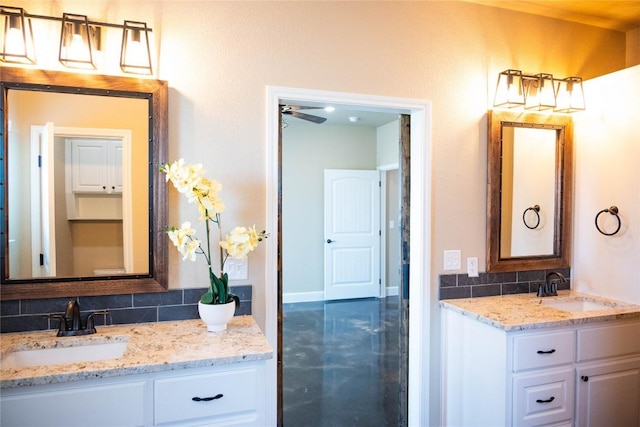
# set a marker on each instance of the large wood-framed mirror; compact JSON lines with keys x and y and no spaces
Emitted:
{"x":83,"y":206}
{"x":529,"y":191}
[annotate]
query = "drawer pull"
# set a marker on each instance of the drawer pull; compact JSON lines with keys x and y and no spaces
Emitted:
{"x":584,"y":378}
{"x":553,"y":350}
{"x":549,"y":400}
{"x":206,"y":399}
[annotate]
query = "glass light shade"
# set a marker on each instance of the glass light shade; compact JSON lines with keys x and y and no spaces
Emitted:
{"x":510,"y":89}
{"x":135,"y":56}
{"x":17,"y":45}
{"x":77,"y":43}
{"x":569,"y":95}
{"x":540,"y":92}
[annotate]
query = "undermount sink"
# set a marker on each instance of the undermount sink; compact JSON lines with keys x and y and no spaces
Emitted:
{"x":82,"y":352}
{"x":578,"y":304}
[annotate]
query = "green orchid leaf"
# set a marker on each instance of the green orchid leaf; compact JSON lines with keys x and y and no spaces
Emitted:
{"x":234,"y":298}
{"x":207,"y":298}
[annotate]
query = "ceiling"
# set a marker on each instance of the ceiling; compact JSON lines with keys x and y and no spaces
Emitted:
{"x":340,"y":116}
{"x":621,"y":15}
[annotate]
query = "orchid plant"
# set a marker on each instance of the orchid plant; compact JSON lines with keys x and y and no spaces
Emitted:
{"x":189,"y":180}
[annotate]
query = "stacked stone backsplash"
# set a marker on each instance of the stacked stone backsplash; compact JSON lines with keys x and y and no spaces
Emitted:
{"x":179,"y":304}
{"x":453,"y":286}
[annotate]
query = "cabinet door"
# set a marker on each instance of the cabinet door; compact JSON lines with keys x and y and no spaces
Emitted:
{"x":608,"y":394}
{"x":89,"y":166}
{"x":105,"y":405}
{"x":114,"y":167}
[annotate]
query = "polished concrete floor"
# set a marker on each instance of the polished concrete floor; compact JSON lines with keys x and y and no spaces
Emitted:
{"x":340,"y":363}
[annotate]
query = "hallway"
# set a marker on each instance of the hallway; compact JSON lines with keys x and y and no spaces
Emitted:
{"x":341,"y":363}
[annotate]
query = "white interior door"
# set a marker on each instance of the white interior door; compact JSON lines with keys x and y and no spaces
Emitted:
{"x":352,"y":234}
{"x":47,"y":203}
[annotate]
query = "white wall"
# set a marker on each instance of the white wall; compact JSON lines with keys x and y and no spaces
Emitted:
{"x":607,"y":154}
{"x":307,"y":150}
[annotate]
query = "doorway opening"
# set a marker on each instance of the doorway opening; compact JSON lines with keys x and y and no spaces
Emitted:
{"x":418,"y":276}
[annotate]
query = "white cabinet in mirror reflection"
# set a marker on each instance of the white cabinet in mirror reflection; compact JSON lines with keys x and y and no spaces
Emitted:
{"x":96,"y":165}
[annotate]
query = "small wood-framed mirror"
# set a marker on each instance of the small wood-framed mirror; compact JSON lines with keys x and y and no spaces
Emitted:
{"x":32,"y":100}
{"x":529,"y":191}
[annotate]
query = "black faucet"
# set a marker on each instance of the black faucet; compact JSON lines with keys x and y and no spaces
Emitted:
{"x":550,"y":287}
{"x":71,"y":322}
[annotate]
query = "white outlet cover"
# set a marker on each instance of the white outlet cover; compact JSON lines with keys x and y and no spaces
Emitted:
{"x":237,"y":269}
{"x":452,"y":260}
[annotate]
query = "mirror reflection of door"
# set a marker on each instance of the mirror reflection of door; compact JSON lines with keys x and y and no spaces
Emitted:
{"x":40,"y":239}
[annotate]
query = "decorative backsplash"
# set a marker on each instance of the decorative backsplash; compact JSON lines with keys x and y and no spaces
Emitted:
{"x":179,"y":304}
{"x":453,"y":286}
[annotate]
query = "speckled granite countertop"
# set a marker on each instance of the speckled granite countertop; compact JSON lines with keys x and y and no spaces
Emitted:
{"x":152,"y":347}
{"x":527,"y":311}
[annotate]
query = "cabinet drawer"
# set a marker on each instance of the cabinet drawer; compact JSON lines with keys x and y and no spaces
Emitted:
{"x":543,"y":398}
{"x":608,"y":341}
{"x":230,"y":392}
{"x":532,"y":351}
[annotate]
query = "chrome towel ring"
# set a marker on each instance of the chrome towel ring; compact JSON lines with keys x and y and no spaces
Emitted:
{"x":536,"y":210}
{"x":613,"y":210}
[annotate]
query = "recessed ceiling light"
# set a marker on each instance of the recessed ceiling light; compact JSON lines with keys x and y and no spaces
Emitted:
{"x":354,"y":119}
{"x":329,"y":109}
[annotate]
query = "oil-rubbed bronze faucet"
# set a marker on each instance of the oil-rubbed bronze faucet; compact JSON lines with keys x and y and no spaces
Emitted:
{"x":71,"y":322}
{"x":550,"y":287}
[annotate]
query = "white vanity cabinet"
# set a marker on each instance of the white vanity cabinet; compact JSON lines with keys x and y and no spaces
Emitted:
{"x":583,"y":374}
{"x":218,"y":395}
{"x":96,"y":166}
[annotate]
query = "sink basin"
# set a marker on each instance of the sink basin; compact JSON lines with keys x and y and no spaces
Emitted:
{"x":84,"y":352}
{"x":577,"y":304}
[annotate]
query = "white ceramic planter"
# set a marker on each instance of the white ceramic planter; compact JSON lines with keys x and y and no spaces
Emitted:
{"x":216,"y":316}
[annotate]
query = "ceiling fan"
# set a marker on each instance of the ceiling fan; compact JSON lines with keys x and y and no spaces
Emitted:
{"x":293,"y":110}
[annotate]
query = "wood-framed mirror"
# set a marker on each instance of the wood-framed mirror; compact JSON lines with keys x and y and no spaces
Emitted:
{"x":65,"y":232}
{"x":529,"y":191}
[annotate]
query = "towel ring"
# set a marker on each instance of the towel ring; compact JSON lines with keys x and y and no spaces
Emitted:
{"x":613,"y":210}
{"x":536,"y":210}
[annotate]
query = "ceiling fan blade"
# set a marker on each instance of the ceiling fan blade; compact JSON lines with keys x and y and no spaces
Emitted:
{"x":308,"y":117}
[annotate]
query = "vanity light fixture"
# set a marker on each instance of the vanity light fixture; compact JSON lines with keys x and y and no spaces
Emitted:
{"x":539,"y":92}
{"x":18,"y":36}
{"x":510,"y":89}
{"x":80,"y":41}
{"x":77,"y":42}
{"x":135,"y":55}
{"x":569,"y":95}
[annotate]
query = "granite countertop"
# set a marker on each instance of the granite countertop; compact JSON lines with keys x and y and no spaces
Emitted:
{"x":152,"y":347}
{"x":527,"y":311}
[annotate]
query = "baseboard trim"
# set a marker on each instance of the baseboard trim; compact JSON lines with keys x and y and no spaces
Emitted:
{"x":391,"y":291}
{"x":302,"y":297}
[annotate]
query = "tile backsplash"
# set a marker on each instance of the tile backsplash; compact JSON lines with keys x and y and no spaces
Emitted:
{"x":179,"y":304}
{"x":453,"y":286}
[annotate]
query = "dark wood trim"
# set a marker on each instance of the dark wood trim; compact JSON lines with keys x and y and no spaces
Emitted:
{"x":561,"y":258}
{"x":157,"y":92}
{"x":405,"y":261}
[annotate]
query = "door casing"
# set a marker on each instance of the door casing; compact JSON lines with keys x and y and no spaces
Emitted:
{"x":422,"y":294}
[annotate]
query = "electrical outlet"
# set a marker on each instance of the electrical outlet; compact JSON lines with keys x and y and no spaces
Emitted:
{"x":237,"y":269}
{"x":472,"y":267}
{"x":452,"y":260}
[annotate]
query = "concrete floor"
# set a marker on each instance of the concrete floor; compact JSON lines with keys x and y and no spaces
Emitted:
{"x":340,"y":363}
